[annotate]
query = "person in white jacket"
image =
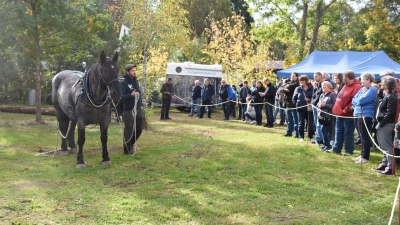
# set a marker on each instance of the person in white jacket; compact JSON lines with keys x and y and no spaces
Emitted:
{"x":250,"y":112}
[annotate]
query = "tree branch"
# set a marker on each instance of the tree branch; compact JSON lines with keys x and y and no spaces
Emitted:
{"x":294,"y":24}
{"x":327,"y":6}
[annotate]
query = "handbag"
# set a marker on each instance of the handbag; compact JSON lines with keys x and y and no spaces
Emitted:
{"x":325,"y":120}
{"x":309,"y":106}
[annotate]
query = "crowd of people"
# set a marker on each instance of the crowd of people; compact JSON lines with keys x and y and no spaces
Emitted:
{"x":329,"y":109}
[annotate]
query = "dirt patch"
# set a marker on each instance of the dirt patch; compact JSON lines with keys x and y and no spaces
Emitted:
{"x":122,"y":184}
{"x":197,"y":152}
{"x":110,"y":149}
{"x":85,"y":151}
{"x":209,"y":133}
{"x":36,"y":184}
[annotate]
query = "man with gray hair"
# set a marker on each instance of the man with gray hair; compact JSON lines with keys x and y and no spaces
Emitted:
{"x":207,"y":93}
{"x":167,"y":91}
{"x":327,"y":77}
{"x":196,"y":98}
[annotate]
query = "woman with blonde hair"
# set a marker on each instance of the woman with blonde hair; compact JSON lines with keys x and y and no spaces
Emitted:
{"x":364,"y":103}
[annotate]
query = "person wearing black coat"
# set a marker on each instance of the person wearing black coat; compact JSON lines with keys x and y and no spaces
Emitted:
{"x":384,"y":124}
{"x":269,"y":99}
{"x":167,"y":90}
{"x":258,"y":101}
{"x":207,"y":93}
{"x":130,"y":90}
{"x":318,"y":79}
{"x":291,"y":113}
{"x":244,"y":92}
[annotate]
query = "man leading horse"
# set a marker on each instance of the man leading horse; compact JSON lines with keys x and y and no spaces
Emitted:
{"x":131,"y":96}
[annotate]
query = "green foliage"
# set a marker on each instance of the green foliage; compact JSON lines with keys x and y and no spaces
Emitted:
{"x":158,"y":29}
{"x":198,"y":12}
{"x":241,"y":7}
{"x":155,"y":96}
{"x":43,"y":37}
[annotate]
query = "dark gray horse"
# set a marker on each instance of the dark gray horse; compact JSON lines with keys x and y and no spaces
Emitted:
{"x":85,"y":99}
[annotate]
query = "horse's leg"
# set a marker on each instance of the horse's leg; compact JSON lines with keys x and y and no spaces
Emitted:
{"x":103,"y":131}
{"x":63,"y":121}
{"x":71,"y":138}
{"x":81,"y":142}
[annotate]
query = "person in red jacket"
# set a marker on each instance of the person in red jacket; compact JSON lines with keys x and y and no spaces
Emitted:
{"x":343,"y":107}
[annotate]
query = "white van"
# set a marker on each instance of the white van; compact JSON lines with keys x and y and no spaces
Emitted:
{"x":183,"y":76}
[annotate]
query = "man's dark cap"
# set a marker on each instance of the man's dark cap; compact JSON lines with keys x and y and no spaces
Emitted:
{"x":129,"y":66}
{"x":169,"y":78}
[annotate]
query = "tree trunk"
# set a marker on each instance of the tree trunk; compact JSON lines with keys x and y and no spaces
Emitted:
{"x":5,"y":92}
{"x":38,"y":91}
{"x":38,"y":88}
{"x":27,"y":110}
{"x":145,"y":59}
{"x":303,"y":30}
{"x":317,"y":23}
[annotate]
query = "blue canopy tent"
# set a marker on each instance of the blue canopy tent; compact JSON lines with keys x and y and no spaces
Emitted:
{"x":338,"y":62}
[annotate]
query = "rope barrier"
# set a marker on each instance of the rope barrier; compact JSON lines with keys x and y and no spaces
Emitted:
{"x":262,"y":103}
{"x":376,"y":145}
{"x":394,"y":204}
{"x":319,"y":110}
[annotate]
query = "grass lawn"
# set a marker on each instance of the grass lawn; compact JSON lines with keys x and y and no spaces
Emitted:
{"x":186,"y":171}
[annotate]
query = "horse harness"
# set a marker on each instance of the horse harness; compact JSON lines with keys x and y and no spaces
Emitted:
{"x":85,"y":94}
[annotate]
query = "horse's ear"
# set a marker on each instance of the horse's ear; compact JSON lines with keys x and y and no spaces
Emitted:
{"x":115,"y":58}
{"x":102,"y":57}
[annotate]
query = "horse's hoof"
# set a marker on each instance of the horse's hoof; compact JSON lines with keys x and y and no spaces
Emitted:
{"x":73,"y":151}
{"x":106,"y":163}
{"x":79,"y":166}
{"x":62,"y":152}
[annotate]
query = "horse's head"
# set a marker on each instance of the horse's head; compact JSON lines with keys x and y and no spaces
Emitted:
{"x":108,"y":72}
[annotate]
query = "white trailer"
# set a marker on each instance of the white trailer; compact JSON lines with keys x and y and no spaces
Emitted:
{"x":183,"y":76}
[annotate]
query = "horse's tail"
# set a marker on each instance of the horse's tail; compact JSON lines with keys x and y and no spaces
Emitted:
{"x":55,"y":83}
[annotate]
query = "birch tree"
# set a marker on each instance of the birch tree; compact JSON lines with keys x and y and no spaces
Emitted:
{"x":154,"y":24}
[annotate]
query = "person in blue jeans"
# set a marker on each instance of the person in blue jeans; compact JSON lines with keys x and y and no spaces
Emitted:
{"x":302,"y":97}
{"x":318,"y":79}
{"x":281,"y":111}
{"x":226,"y":95}
{"x":291,"y":113}
{"x":196,"y":98}
{"x":364,"y":103}
{"x":343,"y":109}
{"x":326,"y":102}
